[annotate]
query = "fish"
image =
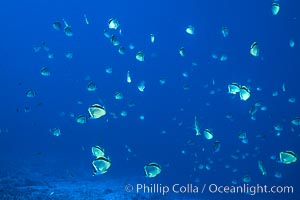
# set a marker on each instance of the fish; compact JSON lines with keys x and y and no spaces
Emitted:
{"x":97,"y":151}
{"x":55,"y":131}
{"x":30,"y":93}
{"x":254,"y":49}
{"x":123,"y":113}
{"x":233,"y":88}
{"x":283,"y":87}
{"x":91,"y":86}
{"x":128,"y":77}
{"x":141,"y":86}
{"x":208,"y":134}
{"x":243,"y":137}
{"x":86,"y":19}
{"x":292,"y":100}
{"x":45,"y":71}
{"x":287,"y":157}
{"x":253,"y":110}
{"x":50,"y":55}
{"x":113,"y":23}
{"x":69,"y":55}
{"x":196,"y":126}
{"x":262,"y":168}
{"x":225,"y":31}
{"x":246,"y":178}
{"x":96,"y":111}
{"x":162,"y":81}
{"x":57,"y":26}
{"x":101,"y":165}
{"x":68,"y":31}
{"x":278,"y":175}
{"x":296,"y":121}
{"x":292,"y":43}
{"x":81,"y":119}
{"x":214,"y":56}
{"x":107,"y":34}
{"x":108,"y":70}
{"x":275,"y":94}
{"x":275,"y":8}
{"x":152,"y":170}
{"x":244,"y":93}
{"x":217,"y":146}
{"x":190,"y":30}
{"x":118,"y":96}
{"x":152,"y":38}
{"x":182,"y":51}
{"x":114,"y":40}
{"x":121,"y":50}
{"x":131,"y":46}
{"x":140,"y":56}
{"x":223,"y":57}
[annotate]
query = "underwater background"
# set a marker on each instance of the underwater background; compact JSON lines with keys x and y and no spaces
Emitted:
{"x":186,"y":73}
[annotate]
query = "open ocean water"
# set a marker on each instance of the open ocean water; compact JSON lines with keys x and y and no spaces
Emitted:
{"x":141,"y":100}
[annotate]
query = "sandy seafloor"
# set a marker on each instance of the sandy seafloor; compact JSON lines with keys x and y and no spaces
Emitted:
{"x":30,"y":180}
{"x":41,"y":179}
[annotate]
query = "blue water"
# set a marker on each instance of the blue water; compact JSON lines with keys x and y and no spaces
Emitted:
{"x":32,"y":156}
